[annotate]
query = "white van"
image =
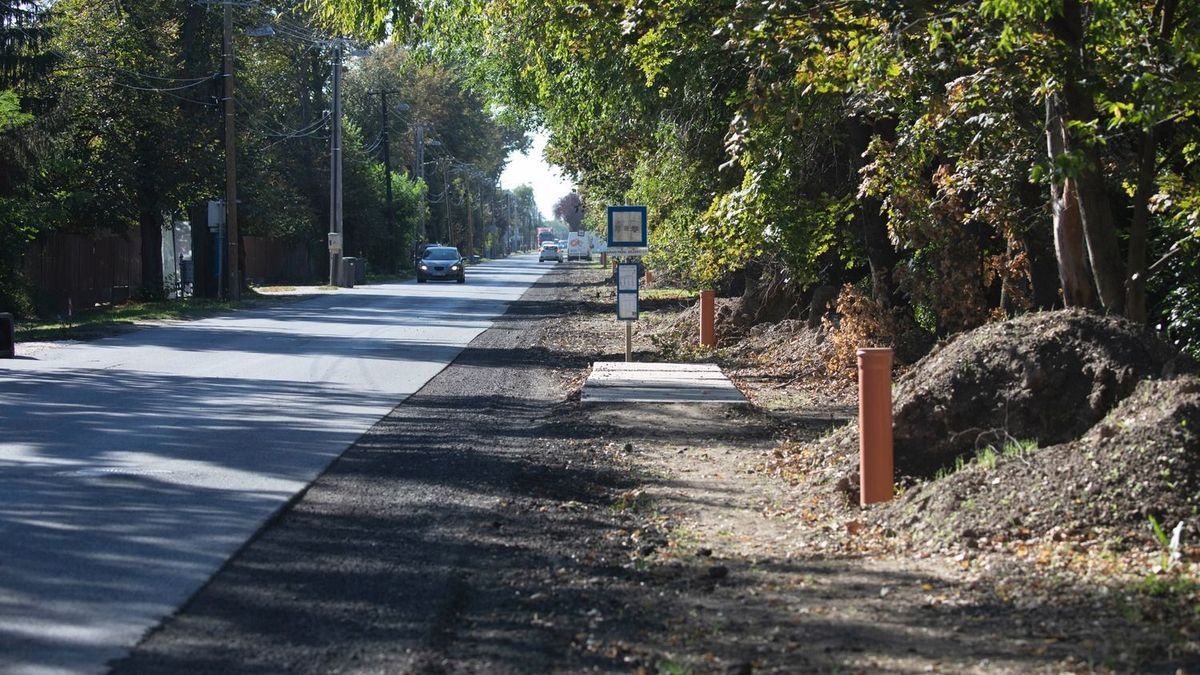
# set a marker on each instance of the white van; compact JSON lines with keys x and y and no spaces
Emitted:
{"x":579,"y":246}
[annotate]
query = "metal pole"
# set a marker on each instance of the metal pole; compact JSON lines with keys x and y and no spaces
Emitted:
{"x":446,"y":201}
{"x":335,"y":167}
{"x":628,"y":342}
{"x":234,"y":287}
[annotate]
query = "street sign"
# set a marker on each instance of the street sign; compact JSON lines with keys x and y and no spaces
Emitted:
{"x":335,"y":242}
{"x":627,"y":277}
{"x":627,"y":306}
{"x":627,"y":227}
{"x":627,"y":251}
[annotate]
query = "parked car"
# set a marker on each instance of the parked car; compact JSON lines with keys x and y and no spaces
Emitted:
{"x":443,"y":263}
{"x":550,"y":251}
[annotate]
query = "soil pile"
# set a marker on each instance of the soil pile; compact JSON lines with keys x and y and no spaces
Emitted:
{"x":1046,"y":377}
{"x":993,"y":395}
{"x":1142,"y":460}
{"x":681,"y":328}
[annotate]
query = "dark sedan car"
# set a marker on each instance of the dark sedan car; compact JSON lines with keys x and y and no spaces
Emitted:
{"x":441,"y":262}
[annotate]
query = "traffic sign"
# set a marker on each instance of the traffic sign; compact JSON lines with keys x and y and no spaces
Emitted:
{"x":627,"y":227}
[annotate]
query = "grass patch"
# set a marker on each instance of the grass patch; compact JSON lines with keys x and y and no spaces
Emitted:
{"x":104,"y":321}
{"x":667,"y":293}
{"x":1170,"y":587}
{"x":670,"y":667}
{"x":988,"y":457}
{"x":632,"y":501}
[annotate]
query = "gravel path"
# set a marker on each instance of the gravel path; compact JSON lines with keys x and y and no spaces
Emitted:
{"x":491,"y":524}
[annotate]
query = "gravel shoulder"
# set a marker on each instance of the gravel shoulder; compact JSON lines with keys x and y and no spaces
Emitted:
{"x":492,"y":524}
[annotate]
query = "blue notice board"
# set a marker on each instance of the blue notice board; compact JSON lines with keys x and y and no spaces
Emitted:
{"x":627,"y":226}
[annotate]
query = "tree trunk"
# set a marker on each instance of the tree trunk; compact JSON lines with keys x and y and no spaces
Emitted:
{"x":881,"y":255}
{"x":1068,"y":228}
{"x":1095,"y":210}
{"x":1139,"y":227}
{"x":1100,"y":234}
{"x":1135,"y":284}
{"x":150,"y":225}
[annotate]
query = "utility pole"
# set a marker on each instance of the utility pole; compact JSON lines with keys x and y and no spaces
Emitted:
{"x":387,"y":152}
{"x":234,"y":286}
{"x":420,"y":132}
{"x":446,"y":200}
{"x":470,"y":234}
{"x":335,"y":172}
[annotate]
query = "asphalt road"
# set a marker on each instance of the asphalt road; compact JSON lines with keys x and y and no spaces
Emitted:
{"x":461,"y":534}
{"x":133,"y":467}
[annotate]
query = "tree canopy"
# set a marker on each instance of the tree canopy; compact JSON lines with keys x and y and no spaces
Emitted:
{"x":955,"y":162}
{"x":110,"y":123}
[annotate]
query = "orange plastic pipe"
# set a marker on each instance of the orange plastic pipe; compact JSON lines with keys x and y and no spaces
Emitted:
{"x":708,"y":333}
{"x":874,"y":424}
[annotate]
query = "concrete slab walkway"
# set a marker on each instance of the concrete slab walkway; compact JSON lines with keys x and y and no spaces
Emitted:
{"x":620,"y":382}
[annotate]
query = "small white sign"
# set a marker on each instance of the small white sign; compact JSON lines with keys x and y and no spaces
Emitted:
{"x":628,"y":251}
{"x":335,"y":242}
{"x":627,"y":306}
{"x":627,"y":277}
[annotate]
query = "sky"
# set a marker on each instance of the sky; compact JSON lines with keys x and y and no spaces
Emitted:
{"x":547,"y":181}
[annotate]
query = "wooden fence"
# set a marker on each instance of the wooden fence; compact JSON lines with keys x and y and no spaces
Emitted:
{"x":276,"y":261}
{"x":81,"y":271}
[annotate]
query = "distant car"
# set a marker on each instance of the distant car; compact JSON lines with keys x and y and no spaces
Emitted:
{"x":549,"y":252}
{"x":443,"y":263}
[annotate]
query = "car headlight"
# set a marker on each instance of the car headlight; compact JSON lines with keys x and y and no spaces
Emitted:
{"x":454,"y":268}
{"x":424,"y":268}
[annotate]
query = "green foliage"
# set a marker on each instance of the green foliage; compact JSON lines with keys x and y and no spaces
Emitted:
{"x":11,"y":115}
{"x":900,"y":143}
{"x":126,"y":128}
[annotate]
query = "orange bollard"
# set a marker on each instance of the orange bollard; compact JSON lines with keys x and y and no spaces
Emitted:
{"x":708,"y":333}
{"x":874,"y":424}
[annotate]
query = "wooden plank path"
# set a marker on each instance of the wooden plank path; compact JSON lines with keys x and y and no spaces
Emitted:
{"x":620,"y":382}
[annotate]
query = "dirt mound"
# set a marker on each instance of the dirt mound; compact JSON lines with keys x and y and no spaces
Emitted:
{"x":1046,"y":377}
{"x":682,"y":329}
{"x":1142,"y":460}
{"x":789,"y":345}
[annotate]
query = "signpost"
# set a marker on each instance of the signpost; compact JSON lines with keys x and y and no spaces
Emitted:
{"x":627,"y":238}
{"x":627,"y":228}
